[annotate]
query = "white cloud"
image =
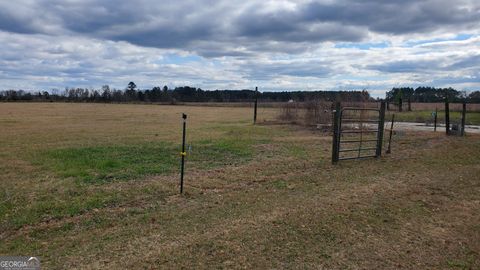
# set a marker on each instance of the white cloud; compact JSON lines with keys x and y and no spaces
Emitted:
{"x":277,"y":45}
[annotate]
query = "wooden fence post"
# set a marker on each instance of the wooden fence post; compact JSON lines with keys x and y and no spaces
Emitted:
{"x":389,"y":149}
{"x":381,"y":127}
{"x":464,"y":113}
{"x":336,"y":133}
{"x":447,"y":117}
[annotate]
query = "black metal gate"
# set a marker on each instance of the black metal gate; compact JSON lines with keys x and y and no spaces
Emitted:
{"x":357,"y":132}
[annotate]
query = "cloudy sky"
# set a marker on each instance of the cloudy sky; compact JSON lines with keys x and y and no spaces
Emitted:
{"x":230,"y":44}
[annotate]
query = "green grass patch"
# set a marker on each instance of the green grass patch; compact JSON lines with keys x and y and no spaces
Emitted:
{"x":54,"y":207}
{"x":297,"y":151}
{"x":459,"y":264}
{"x":235,"y":146}
{"x":212,"y":153}
{"x":280,"y":184}
{"x":106,"y":163}
{"x":97,"y":164}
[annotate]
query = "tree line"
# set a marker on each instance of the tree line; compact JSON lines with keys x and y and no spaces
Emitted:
{"x":178,"y":94}
{"x":192,"y":94}
{"x":430,"y":94}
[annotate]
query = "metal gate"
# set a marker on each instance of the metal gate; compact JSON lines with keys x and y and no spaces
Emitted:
{"x":357,"y":132}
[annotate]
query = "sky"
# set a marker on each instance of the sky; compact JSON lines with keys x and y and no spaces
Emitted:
{"x":229,"y":44}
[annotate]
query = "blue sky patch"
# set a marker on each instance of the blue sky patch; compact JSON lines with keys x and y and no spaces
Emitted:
{"x":426,"y":41}
{"x":179,"y":60}
{"x":363,"y":46}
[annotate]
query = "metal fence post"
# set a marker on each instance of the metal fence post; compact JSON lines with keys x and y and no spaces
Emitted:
{"x":183,"y":153}
{"x":336,"y":132}
{"x":255,"y":107}
{"x":464,"y":113}
{"x":435,"y":121}
{"x":381,"y":124}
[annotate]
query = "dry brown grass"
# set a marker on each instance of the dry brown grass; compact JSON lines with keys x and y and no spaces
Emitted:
{"x":418,"y":208}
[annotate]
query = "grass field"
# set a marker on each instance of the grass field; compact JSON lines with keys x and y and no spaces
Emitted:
{"x":92,"y":185}
{"x":471,"y":118}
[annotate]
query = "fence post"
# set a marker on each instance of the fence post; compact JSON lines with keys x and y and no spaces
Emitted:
{"x":435,"y":121}
{"x":447,"y":117}
{"x":336,"y":132}
{"x":464,"y":113}
{"x":389,"y":150}
{"x":381,"y":124}
{"x":409,"y":104}
{"x":255,"y":107}
{"x":400,"y":104}
{"x":183,"y":153}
